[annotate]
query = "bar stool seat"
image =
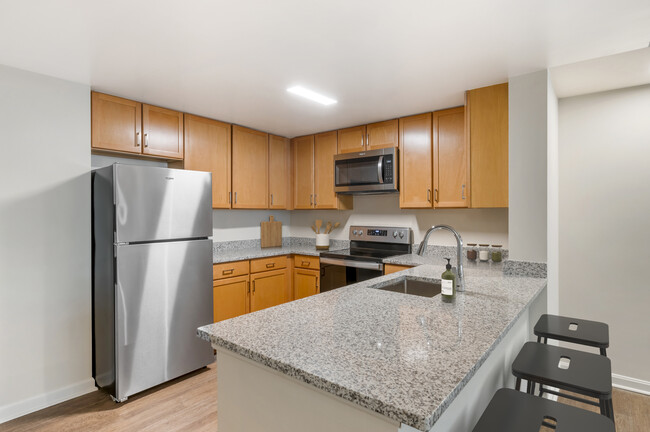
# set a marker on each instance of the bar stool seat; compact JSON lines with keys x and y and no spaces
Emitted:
{"x":590,"y":333}
{"x":587,"y":374}
{"x":514,"y":411}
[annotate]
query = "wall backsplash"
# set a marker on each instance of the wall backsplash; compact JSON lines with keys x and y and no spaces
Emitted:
{"x":475,"y":225}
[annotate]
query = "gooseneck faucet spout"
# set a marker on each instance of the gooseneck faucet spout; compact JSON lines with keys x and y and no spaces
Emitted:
{"x":460,"y":279}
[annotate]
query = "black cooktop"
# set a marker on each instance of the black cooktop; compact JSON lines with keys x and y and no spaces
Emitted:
{"x":361,"y":254}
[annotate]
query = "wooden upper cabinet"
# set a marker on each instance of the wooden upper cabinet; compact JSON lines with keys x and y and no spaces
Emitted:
{"x":249,"y":168}
{"x":268,"y":289}
{"x":487,"y":119}
{"x":450,"y":159}
{"x":324,"y":151}
{"x":303,"y":172}
{"x":116,"y":124}
{"x":279,"y":173}
{"x":415,"y":161}
{"x":162,"y":132}
{"x":207,"y":148}
{"x":382,"y":135}
{"x":352,"y":139}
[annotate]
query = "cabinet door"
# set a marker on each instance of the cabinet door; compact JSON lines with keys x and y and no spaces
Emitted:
{"x":305,"y":283}
{"x":415,"y":161}
{"x":352,"y":139}
{"x":116,"y":124}
{"x":303,"y":172}
{"x":487,"y":111}
{"x":163,"y":132}
{"x":382,"y":135}
{"x":230,"y":297}
{"x":250,"y":157}
{"x":279,"y":172}
{"x":207,"y":148}
{"x":268,"y":289}
{"x":450,"y":159}
{"x":324,"y":151}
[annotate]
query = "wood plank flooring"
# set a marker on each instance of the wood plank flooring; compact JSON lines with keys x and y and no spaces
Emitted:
{"x":190,"y":404}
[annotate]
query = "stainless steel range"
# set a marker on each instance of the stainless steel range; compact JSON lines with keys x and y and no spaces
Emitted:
{"x":369,"y":246}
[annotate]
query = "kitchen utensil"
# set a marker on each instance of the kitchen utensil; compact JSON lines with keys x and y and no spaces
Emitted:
{"x":271,"y":233}
{"x":319,"y":223}
{"x":314,"y":229}
{"x":328,"y":228}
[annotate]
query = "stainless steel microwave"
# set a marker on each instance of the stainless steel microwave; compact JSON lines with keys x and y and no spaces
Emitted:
{"x":368,"y":172}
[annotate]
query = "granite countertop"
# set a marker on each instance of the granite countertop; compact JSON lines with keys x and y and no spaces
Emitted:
{"x":402,"y":356}
{"x":257,"y":252}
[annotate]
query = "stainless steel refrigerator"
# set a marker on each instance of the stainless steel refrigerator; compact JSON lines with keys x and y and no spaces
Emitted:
{"x":152,"y":275}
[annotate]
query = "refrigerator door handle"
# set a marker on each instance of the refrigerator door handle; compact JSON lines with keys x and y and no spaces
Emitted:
{"x":122,"y":312}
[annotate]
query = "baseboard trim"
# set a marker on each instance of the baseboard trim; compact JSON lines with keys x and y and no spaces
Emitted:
{"x":35,"y":403}
{"x":631,"y":384}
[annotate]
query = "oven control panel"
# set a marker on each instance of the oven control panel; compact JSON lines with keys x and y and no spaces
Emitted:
{"x":398,"y":235}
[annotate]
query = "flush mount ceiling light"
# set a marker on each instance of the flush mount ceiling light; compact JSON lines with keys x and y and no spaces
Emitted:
{"x":311,"y":95}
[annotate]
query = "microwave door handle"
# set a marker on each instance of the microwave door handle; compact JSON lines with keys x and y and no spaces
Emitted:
{"x":380,"y":169}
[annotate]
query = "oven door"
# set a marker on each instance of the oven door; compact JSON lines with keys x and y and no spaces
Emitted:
{"x":339,"y":272}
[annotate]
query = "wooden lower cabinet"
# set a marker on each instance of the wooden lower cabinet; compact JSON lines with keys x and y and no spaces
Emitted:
{"x":394,"y":268}
{"x":305,"y":283}
{"x":230,"y":297}
{"x":268,"y":289}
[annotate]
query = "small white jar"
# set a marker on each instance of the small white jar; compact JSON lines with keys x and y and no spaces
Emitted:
{"x":322,"y":241}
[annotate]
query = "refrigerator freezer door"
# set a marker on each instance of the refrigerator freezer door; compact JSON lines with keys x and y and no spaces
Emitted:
{"x":163,"y":293}
{"x":161,"y":204}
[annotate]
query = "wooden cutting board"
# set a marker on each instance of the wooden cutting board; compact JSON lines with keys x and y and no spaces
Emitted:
{"x":271,"y":233}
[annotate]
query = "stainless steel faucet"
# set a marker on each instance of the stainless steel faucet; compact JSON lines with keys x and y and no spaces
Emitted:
{"x":460,"y":275}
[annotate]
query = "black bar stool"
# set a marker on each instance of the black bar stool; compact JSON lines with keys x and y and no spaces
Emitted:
{"x":513,"y":411}
{"x":574,"y":330}
{"x":587,"y":374}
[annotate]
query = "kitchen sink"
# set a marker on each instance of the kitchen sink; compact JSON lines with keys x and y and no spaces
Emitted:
{"x":414,"y":287}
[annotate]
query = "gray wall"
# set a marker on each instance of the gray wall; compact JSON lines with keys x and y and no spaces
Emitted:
{"x":45,"y":288}
{"x":527,"y":118}
{"x":604,"y":231}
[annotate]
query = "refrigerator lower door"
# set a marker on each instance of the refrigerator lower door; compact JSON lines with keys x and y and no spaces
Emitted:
{"x":163,"y":293}
{"x":154,"y":203}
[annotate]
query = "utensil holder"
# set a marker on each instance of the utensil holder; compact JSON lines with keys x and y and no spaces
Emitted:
{"x":322,"y":241}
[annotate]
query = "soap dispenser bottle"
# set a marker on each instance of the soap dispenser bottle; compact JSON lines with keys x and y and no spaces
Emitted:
{"x":448,"y":289}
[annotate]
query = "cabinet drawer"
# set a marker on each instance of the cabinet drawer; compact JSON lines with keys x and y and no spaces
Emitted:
{"x":229,"y":269}
{"x":306,"y":261}
{"x":394,"y":268}
{"x":272,"y":263}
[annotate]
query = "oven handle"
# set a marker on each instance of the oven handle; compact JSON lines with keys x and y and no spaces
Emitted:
{"x":351,"y":263}
{"x":380,"y":169}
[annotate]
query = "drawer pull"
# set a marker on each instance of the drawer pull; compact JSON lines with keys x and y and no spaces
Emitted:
{"x":229,"y":271}
{"x":305,"y":263}
{"x":270,"y":265}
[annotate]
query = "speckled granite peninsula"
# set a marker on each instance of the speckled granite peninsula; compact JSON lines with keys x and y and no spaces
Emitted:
{"x":401,"y":356}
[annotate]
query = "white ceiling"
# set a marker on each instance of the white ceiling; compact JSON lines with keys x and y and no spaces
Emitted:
{"x":233,"y":60}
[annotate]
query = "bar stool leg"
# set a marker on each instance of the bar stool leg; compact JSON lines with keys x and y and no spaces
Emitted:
{"x":529,"y":387}
{"x":603,"y":351}
{"x":603,"y":407}
{"x":518,"y":384}
{"x":539,"y":338}
{"x":610,"y":408}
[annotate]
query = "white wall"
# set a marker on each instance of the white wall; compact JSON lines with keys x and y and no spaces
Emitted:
{"x":527,"y":124}
{"x":604,"y":148}
{"x":474,"y":225}
{"x":45,"y":286}
{"x":553,"y":202}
